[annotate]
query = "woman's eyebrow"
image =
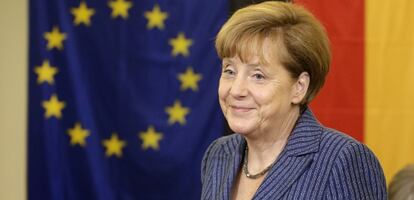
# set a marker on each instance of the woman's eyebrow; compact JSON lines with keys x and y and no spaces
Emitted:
{"x":254,"y":65}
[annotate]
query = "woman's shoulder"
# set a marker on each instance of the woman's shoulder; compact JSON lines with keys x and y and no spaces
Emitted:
{"x":330,"y":134}
{"x":337,"y":138}
{"x":344,"y":149}
{"x":350,"y":159}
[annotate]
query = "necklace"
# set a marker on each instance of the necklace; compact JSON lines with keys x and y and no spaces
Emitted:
{"x":246,"y":171}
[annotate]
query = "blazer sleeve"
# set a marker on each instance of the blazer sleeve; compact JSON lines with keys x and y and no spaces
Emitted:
{"x":356,"y":174}
{"x":205,"y":160}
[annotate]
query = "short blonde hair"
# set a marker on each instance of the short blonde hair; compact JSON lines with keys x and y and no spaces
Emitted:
{"x":300,"y":39}
{"x":402,"y":185}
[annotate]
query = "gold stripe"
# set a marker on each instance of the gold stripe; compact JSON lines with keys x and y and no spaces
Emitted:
{"x":389,"y":81}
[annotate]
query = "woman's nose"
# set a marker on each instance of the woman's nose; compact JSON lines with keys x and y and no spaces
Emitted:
{"x":239,"y":87}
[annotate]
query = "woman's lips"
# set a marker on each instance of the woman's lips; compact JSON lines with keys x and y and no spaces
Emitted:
{"x":240,"y":109}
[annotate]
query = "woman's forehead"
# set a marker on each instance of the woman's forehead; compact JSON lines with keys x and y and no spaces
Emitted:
{"x":250,"y":60}
{"x":256,"y":51}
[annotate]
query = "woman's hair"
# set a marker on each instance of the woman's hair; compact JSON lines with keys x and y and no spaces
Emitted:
{"x":402,"y":185}
{"x":300,"y":41}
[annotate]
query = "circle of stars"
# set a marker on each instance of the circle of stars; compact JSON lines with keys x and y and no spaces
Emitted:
{"x":83,"y":15}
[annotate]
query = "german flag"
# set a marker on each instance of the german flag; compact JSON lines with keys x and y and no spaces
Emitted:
{"x":369,"y":93}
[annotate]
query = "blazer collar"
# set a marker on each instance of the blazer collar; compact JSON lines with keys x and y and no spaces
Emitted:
{"x":305,"y":137}
{"x":295,"y":158}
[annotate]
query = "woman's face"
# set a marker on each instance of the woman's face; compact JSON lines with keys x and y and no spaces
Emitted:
{"x":256,"y":97}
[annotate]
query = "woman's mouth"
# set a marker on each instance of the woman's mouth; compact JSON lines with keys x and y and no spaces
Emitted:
{"x":240,"y":109}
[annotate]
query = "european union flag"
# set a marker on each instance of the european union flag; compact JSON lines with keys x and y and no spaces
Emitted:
{"x":123,"y":97}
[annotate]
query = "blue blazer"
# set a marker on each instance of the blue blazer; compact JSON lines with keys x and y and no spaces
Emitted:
{"x":316,"y":163}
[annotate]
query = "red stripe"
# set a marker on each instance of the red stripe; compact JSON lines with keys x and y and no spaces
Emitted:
{"x":340,"y":104}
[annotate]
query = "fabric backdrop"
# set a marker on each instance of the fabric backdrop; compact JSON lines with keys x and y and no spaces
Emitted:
{"x":123,"y":97}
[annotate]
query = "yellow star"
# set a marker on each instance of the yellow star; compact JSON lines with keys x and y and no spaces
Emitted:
{"x":180,"y":45}
{"x":189,"y":79}
{"x":150,"y":138}
{"x":156,"y":18}
{"x":177,"y":113}
{"x":53,"y":107}
{"x":114,"y":146}
{"x":45,"y":73}
{"x":82,"y":14}
{"x":55,"y":38}
{"x":120,"y":8}
{"x":78,"y":135}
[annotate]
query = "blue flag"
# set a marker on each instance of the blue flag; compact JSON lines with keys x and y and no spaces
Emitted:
{"x":123,"y":97}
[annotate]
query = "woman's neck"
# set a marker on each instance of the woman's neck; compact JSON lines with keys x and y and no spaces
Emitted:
{"x":266,"y":146}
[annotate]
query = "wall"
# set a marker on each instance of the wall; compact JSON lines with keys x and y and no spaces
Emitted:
{"x":13,"y":99}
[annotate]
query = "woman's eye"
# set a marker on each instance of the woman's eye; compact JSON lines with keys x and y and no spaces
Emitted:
{"x":258,"y":76}
{"x":228,"y":71}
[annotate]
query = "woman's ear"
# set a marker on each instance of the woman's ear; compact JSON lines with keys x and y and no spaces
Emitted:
{"x":300,"y":88}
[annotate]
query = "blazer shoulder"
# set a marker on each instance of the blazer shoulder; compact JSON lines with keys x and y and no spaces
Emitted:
{"x":332,"y":138}
{"x":349,"y":149}
{"x":354,"y":161}
{"x":342,"y":149}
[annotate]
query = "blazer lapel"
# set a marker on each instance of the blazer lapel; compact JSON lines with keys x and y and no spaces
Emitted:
{"x":287,"y":171}
{"x":234,"y":153}
{"x":294,"y":160}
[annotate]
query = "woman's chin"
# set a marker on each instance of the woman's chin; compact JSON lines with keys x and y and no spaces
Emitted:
{"x":242,"y":129}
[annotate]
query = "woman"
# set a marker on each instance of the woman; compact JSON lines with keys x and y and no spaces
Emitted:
{"x":275,"y":59}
